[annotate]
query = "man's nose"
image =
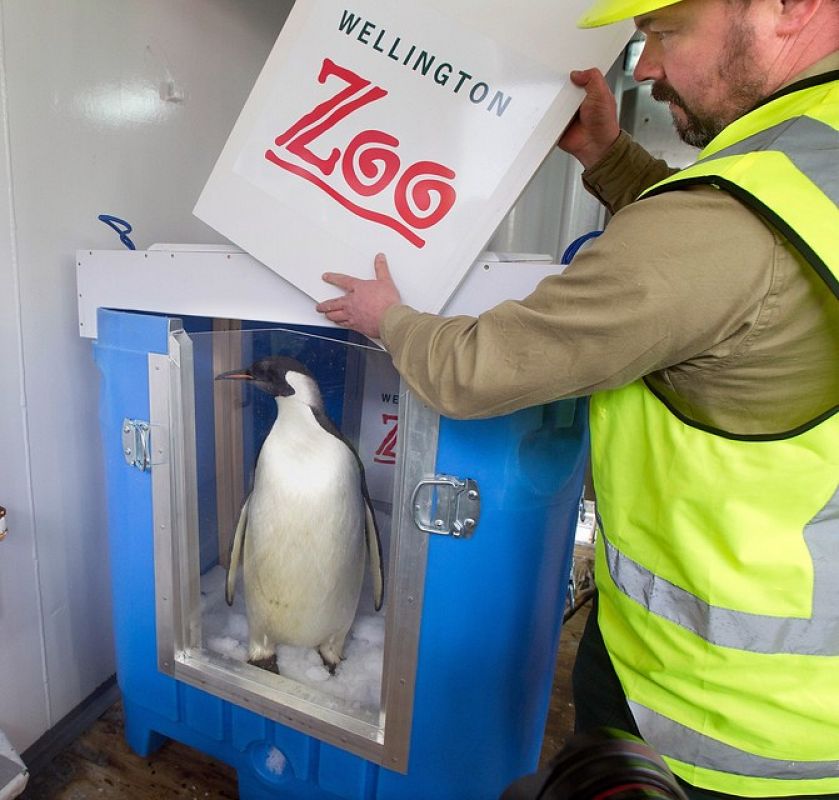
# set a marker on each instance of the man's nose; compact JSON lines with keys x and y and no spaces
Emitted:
{"x":649,"y":66}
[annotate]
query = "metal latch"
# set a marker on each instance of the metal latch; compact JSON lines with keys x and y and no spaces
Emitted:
{"x":136,"y":443}
{"x":447,"y":505}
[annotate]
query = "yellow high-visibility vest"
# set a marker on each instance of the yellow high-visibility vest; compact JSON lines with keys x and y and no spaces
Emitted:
{"x":718,"y":559}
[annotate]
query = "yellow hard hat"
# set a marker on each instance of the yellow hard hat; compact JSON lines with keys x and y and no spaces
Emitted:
{"x":604,"y":12}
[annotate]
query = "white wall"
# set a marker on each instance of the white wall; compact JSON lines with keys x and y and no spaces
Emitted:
{"x":552,"y":211}
{"x":85,"y":130}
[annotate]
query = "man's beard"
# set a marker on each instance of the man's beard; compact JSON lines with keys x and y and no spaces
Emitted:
{"x":694,"y":129}
{"x":738,"y":73}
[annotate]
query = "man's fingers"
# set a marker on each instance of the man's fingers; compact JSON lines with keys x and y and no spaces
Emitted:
{"x":579,"y":77}
{"x":327,"y":306}
{"x":348,"y":282}
{"x":365,"y":302}
{"x":381,"y":268}
{"x":591,"y":80}
{"x":334,"y":311}
{"x":340,"y":280}
{"x":583,"y":77}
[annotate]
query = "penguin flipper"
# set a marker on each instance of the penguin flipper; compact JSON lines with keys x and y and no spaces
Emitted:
{"x":236,"y":552}
{"x":374,"y":551}
{"x":371,"y":528}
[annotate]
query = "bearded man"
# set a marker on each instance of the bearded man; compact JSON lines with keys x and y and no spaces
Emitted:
{"x":704,"y":324}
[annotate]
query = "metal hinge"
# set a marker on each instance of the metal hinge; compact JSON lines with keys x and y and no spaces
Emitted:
{"x":447,"y":505}
{"x":136,"y":443}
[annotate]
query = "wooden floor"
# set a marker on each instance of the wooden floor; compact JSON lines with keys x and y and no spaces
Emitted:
{"x":99,"y":765}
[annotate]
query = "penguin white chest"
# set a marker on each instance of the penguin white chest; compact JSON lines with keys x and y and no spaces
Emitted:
{"x":304,"y":549}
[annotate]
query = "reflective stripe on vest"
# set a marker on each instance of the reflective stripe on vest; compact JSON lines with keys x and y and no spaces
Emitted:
{"x":692,"y":747}
{"x":805,"y":141}
{"x":741,"y":630}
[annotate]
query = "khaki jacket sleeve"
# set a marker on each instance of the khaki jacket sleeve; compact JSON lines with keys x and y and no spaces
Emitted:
{"x":623,"y":173}
{"x":672,"y":276}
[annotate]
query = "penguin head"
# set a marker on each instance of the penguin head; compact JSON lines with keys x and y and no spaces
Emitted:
{"x":279,"y":376}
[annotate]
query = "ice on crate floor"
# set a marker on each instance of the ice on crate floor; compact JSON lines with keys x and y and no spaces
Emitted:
{"x":356,"y":684}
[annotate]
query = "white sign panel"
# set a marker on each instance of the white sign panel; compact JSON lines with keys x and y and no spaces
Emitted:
{"x":395,"y":127}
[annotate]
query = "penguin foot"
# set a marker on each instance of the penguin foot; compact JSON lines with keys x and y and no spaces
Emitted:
{"x":330,"y":660}
{"x":269,"y":663}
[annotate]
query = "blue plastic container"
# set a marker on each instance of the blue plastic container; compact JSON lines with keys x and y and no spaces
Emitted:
{"x":490,"y":626}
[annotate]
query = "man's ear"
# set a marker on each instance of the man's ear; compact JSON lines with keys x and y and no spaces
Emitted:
{"x":794,"y":15}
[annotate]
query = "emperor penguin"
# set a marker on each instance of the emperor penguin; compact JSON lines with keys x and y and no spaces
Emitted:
{"x":304,"y":528}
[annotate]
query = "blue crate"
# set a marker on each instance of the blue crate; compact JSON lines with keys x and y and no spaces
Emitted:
{"x":490,"y":626}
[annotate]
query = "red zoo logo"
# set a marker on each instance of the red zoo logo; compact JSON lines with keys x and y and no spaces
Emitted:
{"x":369,"y":164}
{"x":386,"y":451}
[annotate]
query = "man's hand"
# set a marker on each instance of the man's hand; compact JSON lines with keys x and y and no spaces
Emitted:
{"x":365,"y":302}
{"x":594,"y":128}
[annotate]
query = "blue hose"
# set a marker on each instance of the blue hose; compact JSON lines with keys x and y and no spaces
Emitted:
{"x":121,"y":227}
{"x":572,"y":248}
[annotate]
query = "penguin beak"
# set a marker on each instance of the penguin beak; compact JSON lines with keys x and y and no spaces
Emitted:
{"x":235,"y":375}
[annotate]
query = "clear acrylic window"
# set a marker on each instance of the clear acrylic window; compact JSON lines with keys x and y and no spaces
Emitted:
{"x":217,"y":429}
